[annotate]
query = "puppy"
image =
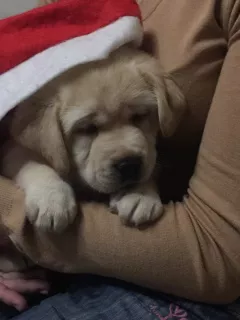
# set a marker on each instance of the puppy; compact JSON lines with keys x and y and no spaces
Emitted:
{"x":96,"y":124}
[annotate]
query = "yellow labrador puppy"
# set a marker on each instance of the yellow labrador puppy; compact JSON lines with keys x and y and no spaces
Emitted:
{"x":96,"y":124}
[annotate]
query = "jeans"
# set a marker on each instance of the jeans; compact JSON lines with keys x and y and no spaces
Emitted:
{"x":96,"y":298}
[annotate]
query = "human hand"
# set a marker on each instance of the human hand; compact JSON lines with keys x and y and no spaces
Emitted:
{"x":13,"y":286}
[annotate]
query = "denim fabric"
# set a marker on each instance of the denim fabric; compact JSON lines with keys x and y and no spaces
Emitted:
{"x":95,"y":298}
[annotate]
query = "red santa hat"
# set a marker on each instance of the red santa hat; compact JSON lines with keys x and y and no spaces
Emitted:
{"x":40,"y":44}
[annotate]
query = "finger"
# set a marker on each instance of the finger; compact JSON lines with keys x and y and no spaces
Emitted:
{"x":12,"y":298}
{"x":26,"y":285}
{"x":35,"y":274}
{"x":29,"y":274}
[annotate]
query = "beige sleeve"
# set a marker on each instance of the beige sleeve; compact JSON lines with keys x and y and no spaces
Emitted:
{"x":6,"y":196}
{"x":11,"y":200}
{"x":193,"y":251}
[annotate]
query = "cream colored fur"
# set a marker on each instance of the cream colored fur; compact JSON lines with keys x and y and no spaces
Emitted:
{"x":80,"y":125}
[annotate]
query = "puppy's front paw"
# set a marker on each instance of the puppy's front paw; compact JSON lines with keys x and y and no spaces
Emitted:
{"x":137,"y":208}
{"x":51,"y":205}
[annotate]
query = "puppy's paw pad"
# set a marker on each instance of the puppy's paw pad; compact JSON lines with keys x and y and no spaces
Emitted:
{"x":137,"y":208}
{"x":51,"y":207}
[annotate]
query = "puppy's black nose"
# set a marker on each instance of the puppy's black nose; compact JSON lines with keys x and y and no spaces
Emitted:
{"x":129,"y":168}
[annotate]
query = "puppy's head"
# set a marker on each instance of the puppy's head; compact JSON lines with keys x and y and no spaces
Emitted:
{"x":108,"y":116}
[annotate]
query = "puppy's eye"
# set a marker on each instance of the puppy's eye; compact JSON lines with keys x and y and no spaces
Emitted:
{"x":137,"y":118}
{"x":90,"y":129}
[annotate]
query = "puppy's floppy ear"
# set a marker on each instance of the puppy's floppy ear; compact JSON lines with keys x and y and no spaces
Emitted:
{"x":36,"y":125}
{"x":171,"y":104}
{"x":170,"y":99}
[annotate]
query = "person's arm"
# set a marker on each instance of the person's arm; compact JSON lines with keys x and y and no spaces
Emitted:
{"x":193,"y":251}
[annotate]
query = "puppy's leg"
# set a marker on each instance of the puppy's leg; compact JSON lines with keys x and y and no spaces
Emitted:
{"x":138,"y":206}
{"x":50,"y":202}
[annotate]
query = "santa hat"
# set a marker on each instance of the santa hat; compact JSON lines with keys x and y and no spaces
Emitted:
{"x":40,"y":44}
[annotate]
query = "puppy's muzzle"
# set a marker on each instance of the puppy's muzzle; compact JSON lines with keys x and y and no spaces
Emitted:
{"x":129,"y":169}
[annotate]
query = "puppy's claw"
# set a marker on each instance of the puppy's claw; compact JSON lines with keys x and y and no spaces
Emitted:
{"x":51,"y":207}
{"x":136,"y":208}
